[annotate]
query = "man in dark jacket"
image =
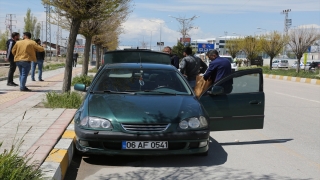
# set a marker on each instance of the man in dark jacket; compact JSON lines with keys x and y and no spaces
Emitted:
{"x":219,"y":68}
{"x":10,"y":57}
{"x":40,"y":59}
{"x":190,"y":66}
{"x":75,"y":59}
{"x":174,"y":58}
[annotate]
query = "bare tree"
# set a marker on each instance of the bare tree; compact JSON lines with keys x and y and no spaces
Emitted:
{"x":272,"y":44}
{"x":233,"y":46}
{"x":77,"y":11}
{"x":250,"y":45}
{"x":300,"y":39}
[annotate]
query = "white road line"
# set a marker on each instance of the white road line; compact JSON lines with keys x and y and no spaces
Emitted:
{"x":297,"y":97}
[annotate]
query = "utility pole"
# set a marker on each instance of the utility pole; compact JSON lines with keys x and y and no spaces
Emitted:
{"x":9,"y":22}
{"x":48,"y":28}
{"x":225,"y":42}
{"x":287,"y":24}
{"x":185,"y":25}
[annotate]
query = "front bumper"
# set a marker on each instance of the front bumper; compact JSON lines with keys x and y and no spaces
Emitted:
{"x":110,"y":143}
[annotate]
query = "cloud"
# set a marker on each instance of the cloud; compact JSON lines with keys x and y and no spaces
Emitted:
{"x":137,"y":28}
{"x":230,"y":6}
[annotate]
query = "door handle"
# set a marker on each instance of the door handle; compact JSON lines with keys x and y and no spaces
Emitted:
{"x":255,"y":102}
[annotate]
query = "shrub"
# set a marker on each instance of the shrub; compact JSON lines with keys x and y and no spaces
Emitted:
{"x":83,"y":79}
{"x":14,"y":166}
{"x":71,"y":100}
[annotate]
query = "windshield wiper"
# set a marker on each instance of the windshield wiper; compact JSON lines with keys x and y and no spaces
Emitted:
{"x":160,"y":92}
{"x":111,"y":92}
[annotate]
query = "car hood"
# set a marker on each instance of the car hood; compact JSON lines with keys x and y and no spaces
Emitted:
{"x":143,"y":108}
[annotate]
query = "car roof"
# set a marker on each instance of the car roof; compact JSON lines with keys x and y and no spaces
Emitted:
{"x":136,"y":56}
{"x":139,"y":65}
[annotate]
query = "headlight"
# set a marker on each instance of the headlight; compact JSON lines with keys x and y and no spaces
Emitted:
{"x":194,"y":123}
{"x":94,"y":122}
{"x":183,"y":125}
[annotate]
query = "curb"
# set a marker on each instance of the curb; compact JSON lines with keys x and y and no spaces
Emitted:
{"x":57,"y":162}
{"x":293,"y":79}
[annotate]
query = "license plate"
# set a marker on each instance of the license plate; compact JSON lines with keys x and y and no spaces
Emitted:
{"x":144,"y":144}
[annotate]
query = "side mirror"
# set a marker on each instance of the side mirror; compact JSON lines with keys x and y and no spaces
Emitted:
{"x":216,"y":90}
{"x":80,"y":87}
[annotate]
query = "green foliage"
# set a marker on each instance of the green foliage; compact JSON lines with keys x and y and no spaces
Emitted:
{"x":288,"y":72}
{"x":53,"y":66}
{"x":83,"y":79}
{"x":30,"y":23}
{"x":3,"y":40}
{"x":14,"y":166}
{"x":71,"y":100}
{"x":37,"y":32}
{"x":178,"y":49}
{"x":93,"y":70}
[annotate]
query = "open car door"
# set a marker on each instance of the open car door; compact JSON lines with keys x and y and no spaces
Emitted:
{"x":236,"y":102}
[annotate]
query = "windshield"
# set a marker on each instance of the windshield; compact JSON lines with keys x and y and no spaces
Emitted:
{"x":141,"y":80}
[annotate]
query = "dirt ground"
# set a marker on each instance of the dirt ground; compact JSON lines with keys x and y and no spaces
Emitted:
{"x":5,"y":69}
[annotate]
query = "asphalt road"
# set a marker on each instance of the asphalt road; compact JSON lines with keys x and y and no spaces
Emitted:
{"x":287,"y":148}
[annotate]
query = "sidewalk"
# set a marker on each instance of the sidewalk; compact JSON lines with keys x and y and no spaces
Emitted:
{"x":39,"y":128}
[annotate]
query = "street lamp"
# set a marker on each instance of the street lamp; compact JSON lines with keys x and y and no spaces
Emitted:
{"x":160,"y":23}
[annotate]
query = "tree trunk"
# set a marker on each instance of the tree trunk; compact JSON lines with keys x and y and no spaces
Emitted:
{"x":86,"y":55}
{"x":298,"y":64}
{"x":75,"y":25}
{"x":98,"y":56}
{"x":271,"y":58}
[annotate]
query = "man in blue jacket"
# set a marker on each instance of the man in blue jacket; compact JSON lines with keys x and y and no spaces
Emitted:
{"x":12,"y":68}
{"x":219,"y":68}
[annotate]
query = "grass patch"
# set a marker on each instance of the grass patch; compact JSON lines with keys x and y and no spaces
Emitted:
{"x":53,"y":66}
{"x":82,"y":79}
{"x":70,"y":100}
{"x":93,"y":70}
{"x":14,"y":166}
{"x":288,"y":72}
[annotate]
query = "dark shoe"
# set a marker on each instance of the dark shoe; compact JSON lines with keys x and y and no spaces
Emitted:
{"x":15,"y":84}
{"x":25,"y":89}
{"x":12,"y":84}
{"x":41,"y":80}
{"x":33,"y":80}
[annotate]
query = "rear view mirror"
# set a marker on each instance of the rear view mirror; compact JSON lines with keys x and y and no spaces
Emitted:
{"x":80,"y":87}
{"x":216,"y":90}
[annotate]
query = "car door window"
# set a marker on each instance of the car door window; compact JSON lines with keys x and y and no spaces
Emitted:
{"x":241,"y":84}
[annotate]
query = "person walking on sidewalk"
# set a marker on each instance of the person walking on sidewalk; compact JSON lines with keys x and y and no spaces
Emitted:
{"x":75,"y":58}
{"x":191,"y":66}
{"x":40,"y":59}
{"x":12,"y":68}
{"x":24,"y":53}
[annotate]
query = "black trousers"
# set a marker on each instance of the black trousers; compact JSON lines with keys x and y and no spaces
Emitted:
{"x":12,"y":69}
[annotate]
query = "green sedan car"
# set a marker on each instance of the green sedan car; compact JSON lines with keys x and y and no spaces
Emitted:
{"x":139,"y":104}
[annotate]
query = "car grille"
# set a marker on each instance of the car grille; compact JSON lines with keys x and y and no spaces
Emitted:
{"x":145,"y":127}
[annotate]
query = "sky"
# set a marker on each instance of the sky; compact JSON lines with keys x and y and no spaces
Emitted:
{"x":215,"y":18}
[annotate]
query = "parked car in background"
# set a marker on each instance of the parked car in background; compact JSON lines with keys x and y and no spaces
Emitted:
{"x":280,"y":63}
{"x":307,"y":66}
{"x":234,"y":66}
